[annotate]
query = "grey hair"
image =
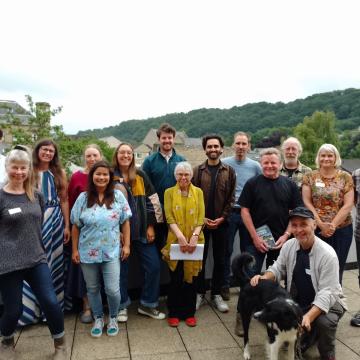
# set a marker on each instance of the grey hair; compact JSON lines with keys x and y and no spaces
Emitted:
{"x":270,"y":151}
{"x":329,"y":148}
{"x":17,"y":156}
{"x":293,"y":140}
{"x":184,"y":165}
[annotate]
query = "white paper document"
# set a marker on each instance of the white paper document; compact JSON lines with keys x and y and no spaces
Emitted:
{"x":176,"y":254}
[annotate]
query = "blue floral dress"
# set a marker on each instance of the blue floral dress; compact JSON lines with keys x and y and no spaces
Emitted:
{"x":99,"y":239}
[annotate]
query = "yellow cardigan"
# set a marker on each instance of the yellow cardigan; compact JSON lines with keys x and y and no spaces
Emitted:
{"x":187,"y":220}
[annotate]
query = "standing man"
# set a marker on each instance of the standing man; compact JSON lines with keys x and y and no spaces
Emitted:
{"x":245,"y":168}
{"x":217,"y":181}
{"x":292,"y":168}
{"x":160,"y":167}
{"x":266,"y":200}
{"x":311,"y":268}
{"x":355,"y":321}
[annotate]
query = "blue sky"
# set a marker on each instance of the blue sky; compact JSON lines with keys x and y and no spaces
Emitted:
{"x":110,"y":61}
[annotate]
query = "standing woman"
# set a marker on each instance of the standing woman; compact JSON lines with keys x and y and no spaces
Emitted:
{"x":185,"y":212}
{"x":51,"y":182}
{"x":75,"y":284}
{"x":97,"y":216}
{"x":147,"y":212}
{"x":329,"y":193}
{"x":22,"y":256}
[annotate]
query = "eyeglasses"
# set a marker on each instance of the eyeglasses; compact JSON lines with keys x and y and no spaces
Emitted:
{"x":180,"y":175}
{"x":47,"y":150}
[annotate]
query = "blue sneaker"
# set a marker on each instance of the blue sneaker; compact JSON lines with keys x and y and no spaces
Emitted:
{"x":97,"y":328}
{"x":112,"y":327}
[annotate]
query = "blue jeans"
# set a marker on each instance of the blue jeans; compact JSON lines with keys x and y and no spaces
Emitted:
{"x":39,"y":279}
{"x":150,"y":265}
{"x":111,"y":274}
{"x":341,"y":242}
{"x":271,"y":256}
{"x":235,"y":224}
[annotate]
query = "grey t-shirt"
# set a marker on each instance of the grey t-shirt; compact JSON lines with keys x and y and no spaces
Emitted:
{"x":244,"y":169}
{"x":20,"y":232}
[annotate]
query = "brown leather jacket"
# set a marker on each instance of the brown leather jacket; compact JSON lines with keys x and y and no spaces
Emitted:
{"x":225,"y":187}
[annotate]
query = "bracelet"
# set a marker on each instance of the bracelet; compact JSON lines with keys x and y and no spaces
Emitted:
{"x":194,"y":234}
{"x":287,"y":233}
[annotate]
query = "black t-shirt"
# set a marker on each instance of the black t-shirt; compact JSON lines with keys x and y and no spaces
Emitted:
{"x":210,"y":208}
{"x":305,"y":292}
{"x":270,"y":201}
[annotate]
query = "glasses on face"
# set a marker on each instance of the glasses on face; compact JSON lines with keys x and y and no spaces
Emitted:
{"x":47,"y":150}
{"x":180,"y":175}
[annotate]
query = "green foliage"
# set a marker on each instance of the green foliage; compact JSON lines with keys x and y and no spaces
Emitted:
{"x":315,"y":130}
{"x":260,"y":119}
{"x":39,"y":127}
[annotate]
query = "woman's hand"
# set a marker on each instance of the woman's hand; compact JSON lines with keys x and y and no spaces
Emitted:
{"x":67,"y":234}
{"x":327,"y":229}
{"x":75,"y":257}
{"x":150,"y":234}
{"x":125,"y":252}
{"x":192,"y":243}
{"x":182,"y":242}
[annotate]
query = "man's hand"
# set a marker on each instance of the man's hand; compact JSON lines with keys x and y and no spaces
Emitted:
{"x":214,"y":224}
{"x":306,"y":322}
{"x":255,"y":280}
{"x":260,"y":244}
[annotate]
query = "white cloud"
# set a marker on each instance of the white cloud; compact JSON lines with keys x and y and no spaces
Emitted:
{"x":136,"y":59}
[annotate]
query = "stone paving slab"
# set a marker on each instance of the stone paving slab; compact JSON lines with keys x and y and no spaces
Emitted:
{"x":143,"y":338}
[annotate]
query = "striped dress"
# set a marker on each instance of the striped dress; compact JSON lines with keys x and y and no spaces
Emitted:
{"x":53,"y":240}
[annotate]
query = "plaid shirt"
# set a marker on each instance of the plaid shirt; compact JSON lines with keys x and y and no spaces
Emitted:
{"x":297,"y":175}
{"x":356,"y":179}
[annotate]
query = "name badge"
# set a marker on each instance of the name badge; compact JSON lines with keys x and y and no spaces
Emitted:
{"x":307,"y":271}
{"x":14,"y":211}
{"x":319,"y":184}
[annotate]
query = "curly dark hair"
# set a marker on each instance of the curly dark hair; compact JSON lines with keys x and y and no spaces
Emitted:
{"x":212,"y":136}
{"x":93,"y":195}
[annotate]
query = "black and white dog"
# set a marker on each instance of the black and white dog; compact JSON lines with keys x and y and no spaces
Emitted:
{"x":271,"y":305}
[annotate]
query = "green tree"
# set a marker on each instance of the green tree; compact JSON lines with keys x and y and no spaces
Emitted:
{"x":315,"y":130}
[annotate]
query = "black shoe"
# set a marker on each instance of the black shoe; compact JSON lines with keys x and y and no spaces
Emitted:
{"x":355,"y":321}
{"x":225,"y":293}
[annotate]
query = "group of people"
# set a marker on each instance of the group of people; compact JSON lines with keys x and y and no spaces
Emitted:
{"x":108,"y":211}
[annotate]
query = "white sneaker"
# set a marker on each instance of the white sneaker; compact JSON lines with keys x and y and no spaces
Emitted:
{"x":200,"y":300}
{"x":122,"y":316}
{"x":219,"y":303}
{"x":97,"y":328}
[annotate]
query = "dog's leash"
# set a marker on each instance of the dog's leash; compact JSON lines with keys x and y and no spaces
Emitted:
{"x":298,"y":354}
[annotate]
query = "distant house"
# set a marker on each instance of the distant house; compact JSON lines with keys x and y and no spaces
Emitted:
{"x":141,"y":152}
{"x":11,"y":109}
{"x":112,"y":141}
{"x":190,"y":148}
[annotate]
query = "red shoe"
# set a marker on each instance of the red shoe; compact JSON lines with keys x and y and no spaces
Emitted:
{"x":173,"y":322}
{"x":191,"y":321}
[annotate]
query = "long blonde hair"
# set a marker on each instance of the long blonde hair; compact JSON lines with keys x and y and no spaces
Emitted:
{"x":24,"y":157}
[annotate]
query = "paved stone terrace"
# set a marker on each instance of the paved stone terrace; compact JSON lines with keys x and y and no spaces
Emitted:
{"x":147,"y":339}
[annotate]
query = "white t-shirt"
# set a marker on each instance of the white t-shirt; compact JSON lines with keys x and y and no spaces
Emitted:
{"x":3,"y":176}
